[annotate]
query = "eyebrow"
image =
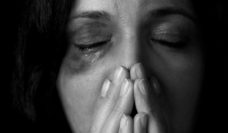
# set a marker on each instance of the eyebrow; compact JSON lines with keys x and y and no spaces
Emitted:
{"x":161,"y":12}
{"x":167,"y":11}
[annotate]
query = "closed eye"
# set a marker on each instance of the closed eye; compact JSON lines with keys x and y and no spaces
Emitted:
{"x":172,"y":40}
{"x":173,"y":44}
{"x":91,"y":46}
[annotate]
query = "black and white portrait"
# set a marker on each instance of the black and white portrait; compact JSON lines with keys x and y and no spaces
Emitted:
{"x":116,"y":66}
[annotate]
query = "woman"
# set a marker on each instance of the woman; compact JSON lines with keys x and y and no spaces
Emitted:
{"x":111,"y":66}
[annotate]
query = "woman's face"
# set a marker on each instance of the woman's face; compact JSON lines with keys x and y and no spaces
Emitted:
{"x":106,"y":34}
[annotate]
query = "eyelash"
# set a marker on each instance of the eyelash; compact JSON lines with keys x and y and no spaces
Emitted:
{"x":172,"y":41}
{"x":178,"y":45}
{"x":87,"y":48}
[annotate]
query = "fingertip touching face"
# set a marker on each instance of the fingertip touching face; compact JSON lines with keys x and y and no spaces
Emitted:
{"x":162,"y":35}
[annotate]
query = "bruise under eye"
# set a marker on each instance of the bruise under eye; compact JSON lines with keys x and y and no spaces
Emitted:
{"x":89,"y":42}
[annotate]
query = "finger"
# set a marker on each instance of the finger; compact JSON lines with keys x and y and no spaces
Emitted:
{"x":125,"y":102}
{"x":137,"y":71}
{"x":109,"y":94}
{"x":117,"y":78}
{"x":123,"y":106}
{"x":141,"y":123}
{"x":126,"y":124}
{"x":116,"y":96}
{"x":153,"y":125}
{"x":144,"y":104}
{"x":141,"y":94}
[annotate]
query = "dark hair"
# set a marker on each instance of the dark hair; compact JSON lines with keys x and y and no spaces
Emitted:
{"x":42,"y":45}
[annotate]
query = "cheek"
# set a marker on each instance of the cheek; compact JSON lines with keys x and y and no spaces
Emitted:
{"x":183,"y":88}
{"x":181,"y":76}
{"x":180,"y":72}
{"x":183,"y":85}
{"x":78,"y":91}
{"x":79,"y":95}
{"x":79,"y":86}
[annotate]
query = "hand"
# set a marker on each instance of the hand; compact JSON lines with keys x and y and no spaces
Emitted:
{"x":146,"y":96}
{"x":115,"y":104}
{"x":112,"y":112}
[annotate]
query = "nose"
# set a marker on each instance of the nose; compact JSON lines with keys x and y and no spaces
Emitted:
{"x":130,"y":49}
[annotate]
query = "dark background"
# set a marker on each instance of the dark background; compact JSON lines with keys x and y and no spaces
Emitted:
{"x":213,"y":114}
{"x":11,"y":119}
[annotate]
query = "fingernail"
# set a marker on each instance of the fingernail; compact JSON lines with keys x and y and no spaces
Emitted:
{"x":123,"y":121}
{"x":118,"y":73}
{"x":105,"y":88}
{"x":142,"y":86}
{"x":124,"y":88}
{"x":143,"y":120}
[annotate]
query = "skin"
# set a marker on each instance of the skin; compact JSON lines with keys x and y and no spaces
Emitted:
{"x":132,"y":53}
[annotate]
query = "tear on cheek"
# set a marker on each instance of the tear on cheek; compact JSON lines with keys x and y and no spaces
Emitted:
{"x":79,"y":63}
{"x":92,"y":58}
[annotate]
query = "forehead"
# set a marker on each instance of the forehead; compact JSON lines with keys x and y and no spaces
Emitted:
{"x":115,"y":7}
